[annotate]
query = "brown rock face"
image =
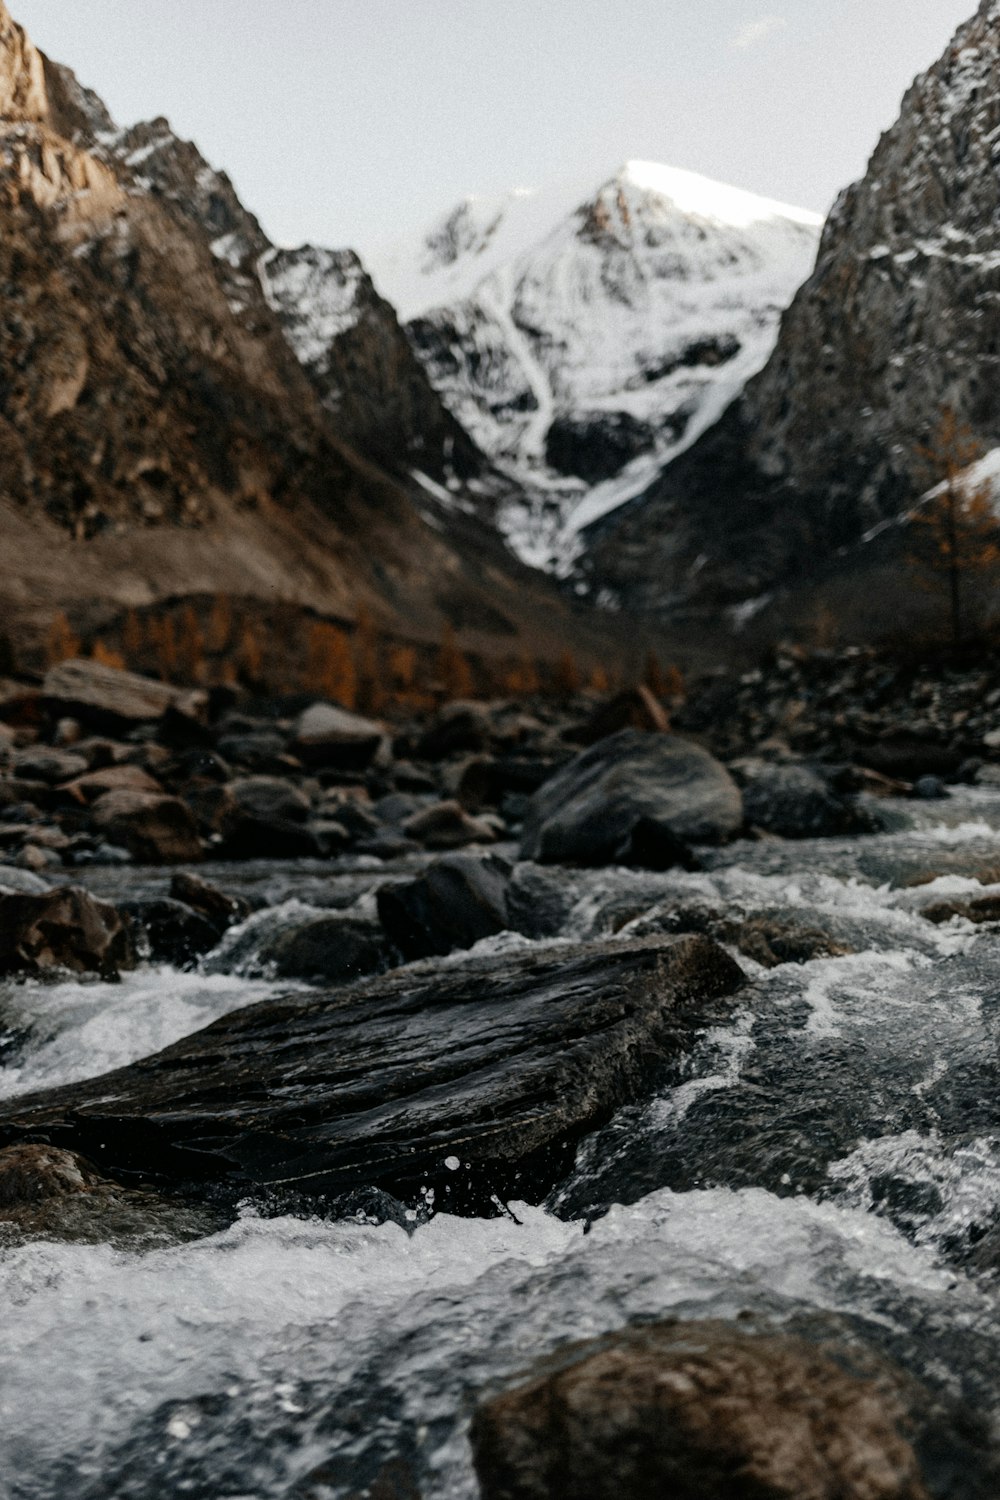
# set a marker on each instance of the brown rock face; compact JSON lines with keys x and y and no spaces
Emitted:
{"x":164,"y":430}
{"x":698,"y":1411}
{"x":62,"y":929}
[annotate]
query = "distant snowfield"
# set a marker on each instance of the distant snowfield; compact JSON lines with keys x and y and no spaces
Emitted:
{"x":650,"y":301}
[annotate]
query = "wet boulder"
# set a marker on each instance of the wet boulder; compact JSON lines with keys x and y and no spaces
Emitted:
{"x":172,"y":932}
{"x":65,"y":928}
{"x":36,"y":1173}
{"x":474,"y":1079}
{"x":222,"y":910}
{"x":155,"y":829}
{"x":797,"y":803}
{"x":589,"y":811}
{"x":332,"y":949}
{"x":329,"y":737}
{"x":454,"y":904}
{"x":700,"y":1411}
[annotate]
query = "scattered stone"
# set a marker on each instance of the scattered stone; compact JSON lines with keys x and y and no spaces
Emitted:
{"x":64,"y":928}
{"x":455,"y":729}
{"x":104,"y":697}
{"x":980,"y":909}
{"x":156,"y":830}
{"x":587,"y":813}
{"x":503,"y":1063}
{"x":270,"y":799}
{"x":446,"y":825}
{"x":930,"y":789}
{"x":454,"y":904}
{"x":120,"y":778}
{"x":700,"y":1411}
{"x":330,"y":737}
{"x":49,"y":765}
{"x":21,"y":882}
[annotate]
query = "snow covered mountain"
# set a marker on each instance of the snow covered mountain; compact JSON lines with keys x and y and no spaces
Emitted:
{"x":585,"y":339}
{"x":900,"y":317}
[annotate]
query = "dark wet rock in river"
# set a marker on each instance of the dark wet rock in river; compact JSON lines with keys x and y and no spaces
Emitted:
{"x":221,"y":909}
{"x":332,"y":949}
{"x":169,"y":931}
{"x":65,"y":928}
{"x":795,"y":802}
{"x":980,"y":909}
{"x":588,"y":812}
{"x":769,"y":940}
{"x":155,"y":829}
{"x":700,"y":1411}
{"x":454,"y":904}
{"x":477,"y":1080}
{"x":539,"y":901}
{"x":327,"y":736}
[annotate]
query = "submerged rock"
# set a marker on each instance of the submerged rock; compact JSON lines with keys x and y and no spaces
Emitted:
{"x":699,"y":1411}
{"x":336,"y":949}
{"x":65,"y":928}
{"x":589,"y":811}
{"x":476,"y":1081}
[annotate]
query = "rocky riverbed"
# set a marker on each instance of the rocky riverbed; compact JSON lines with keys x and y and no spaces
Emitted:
{"x":520,"y":1059}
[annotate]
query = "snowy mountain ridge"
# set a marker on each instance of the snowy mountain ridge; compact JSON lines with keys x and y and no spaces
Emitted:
{"x":585,"y":339}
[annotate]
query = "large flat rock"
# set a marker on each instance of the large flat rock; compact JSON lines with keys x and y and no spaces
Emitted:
{"x":475,"y":1079}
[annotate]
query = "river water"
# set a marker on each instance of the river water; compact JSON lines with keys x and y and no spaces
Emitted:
{"x":833,"y":1151}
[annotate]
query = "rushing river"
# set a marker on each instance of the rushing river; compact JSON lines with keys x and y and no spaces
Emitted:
{"x":832,"y":1151}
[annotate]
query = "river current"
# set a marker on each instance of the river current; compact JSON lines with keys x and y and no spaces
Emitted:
{"x":832,"y":1151}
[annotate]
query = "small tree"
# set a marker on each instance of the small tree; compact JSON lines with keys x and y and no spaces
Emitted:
{"x":453,"y":670}
{"x":955,"y":531}
{"x":62,"y":643}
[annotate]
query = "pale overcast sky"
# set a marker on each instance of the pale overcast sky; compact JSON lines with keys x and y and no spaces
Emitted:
{"x":349,"y":121}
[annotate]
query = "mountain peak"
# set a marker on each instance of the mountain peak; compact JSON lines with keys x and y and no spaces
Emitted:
{"x":704,"y":198}
{"x":22,"y":74}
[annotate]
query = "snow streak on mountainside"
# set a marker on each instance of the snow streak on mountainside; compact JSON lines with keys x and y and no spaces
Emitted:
{"x":585,"y":340}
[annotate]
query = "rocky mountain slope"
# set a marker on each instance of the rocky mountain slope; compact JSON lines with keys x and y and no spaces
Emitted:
{"x":587,"y":338}
{"x":174,"y":420}
{"x":901,"y":315}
